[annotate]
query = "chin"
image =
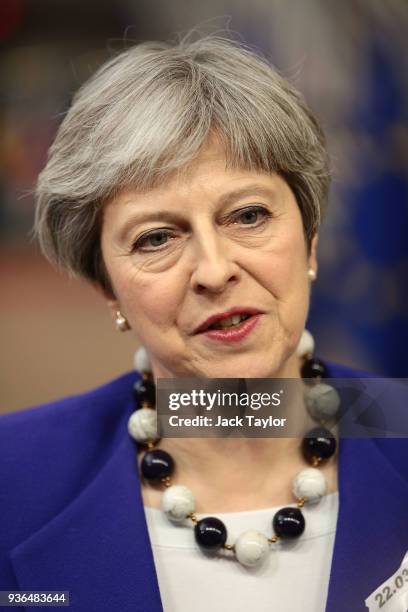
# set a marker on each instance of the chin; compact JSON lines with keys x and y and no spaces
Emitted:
{"x":251,"y":364}
{"x":247,"y":367}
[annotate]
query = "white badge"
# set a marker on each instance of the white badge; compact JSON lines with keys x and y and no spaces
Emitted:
{"x":392,"y":595}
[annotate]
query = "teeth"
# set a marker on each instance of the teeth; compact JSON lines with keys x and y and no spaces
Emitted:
{"x":229,"y":321}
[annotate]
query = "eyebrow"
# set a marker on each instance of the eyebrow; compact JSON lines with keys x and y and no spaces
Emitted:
{"x":173,"y":217}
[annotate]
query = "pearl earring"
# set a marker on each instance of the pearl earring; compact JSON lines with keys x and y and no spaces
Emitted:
{"x":311,"y":274}
{"x":121,"y":322}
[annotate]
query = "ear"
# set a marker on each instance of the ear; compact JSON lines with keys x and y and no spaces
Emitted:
{"x":312,"y":260}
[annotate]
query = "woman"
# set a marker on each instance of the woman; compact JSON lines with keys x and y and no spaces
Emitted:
{"x":187,"y":183}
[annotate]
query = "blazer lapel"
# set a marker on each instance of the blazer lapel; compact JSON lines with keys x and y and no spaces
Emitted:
{"x":98,"y":548}
{"x":371,"y":537}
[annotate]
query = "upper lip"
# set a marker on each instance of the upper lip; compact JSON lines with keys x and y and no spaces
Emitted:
{"x":223,"y":315}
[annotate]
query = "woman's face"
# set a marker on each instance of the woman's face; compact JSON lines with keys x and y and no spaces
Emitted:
{"x":207,"y":241}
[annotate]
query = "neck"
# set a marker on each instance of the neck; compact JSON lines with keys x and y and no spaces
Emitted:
{"x":238,"y":474}
{"x":234,"y":475}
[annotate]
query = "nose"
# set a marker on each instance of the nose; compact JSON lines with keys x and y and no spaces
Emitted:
{"x":214,"y":268}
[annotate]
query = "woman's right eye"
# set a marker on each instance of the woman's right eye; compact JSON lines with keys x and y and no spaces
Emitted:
{"x":151,"y":242}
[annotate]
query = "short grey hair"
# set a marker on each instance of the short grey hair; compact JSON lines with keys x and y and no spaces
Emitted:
{"x":146,"y":113}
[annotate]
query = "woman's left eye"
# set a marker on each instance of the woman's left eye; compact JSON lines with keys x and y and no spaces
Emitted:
{"x":253,"y":215}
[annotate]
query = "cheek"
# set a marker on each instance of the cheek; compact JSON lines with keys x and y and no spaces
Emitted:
{"x":151,"y":300}
{"x":282,"y":267}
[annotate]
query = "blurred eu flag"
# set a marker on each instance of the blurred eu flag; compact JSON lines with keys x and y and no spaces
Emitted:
{"x":359,"y":311}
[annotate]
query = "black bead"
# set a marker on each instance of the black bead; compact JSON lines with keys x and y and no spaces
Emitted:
{"x":144,"y":390}
{"x":318,"y":442}
{"x":313,"y":368}
{"x":156,"y":464}
{"x":210,"y":533}
{"x":289,"y":523}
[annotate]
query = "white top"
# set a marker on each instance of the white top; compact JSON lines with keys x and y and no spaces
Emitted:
{"x":294,"y":576}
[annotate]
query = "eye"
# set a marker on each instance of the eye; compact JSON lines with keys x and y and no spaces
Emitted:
{"x":251,"y":215}
{"x":152,"y":241}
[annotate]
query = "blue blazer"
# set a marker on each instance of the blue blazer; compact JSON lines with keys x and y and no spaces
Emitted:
{"x":72,"y":518}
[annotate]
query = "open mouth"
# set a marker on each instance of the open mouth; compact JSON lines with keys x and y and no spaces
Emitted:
{"x":234,"y":328}
{"x":233,"y":321}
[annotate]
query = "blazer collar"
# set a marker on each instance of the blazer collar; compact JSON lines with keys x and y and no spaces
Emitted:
{"x":98,"y":547}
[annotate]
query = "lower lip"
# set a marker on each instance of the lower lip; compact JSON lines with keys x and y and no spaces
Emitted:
{"x":235,"y":333}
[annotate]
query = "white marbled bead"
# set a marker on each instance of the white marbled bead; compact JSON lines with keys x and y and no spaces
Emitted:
{"x":251,"y":548}
{"x":141,"y":360}
{"x":306,"y":344}
{"x":322,"y":401}
{"x":177,"y":502}
{"x":142,"y":425}
{"x":310,"y":484}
